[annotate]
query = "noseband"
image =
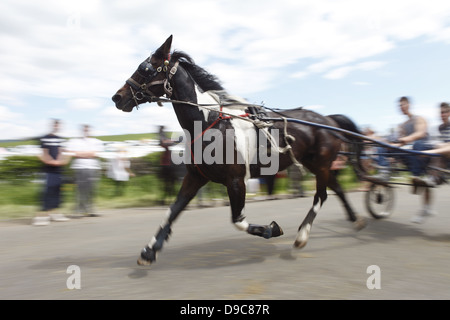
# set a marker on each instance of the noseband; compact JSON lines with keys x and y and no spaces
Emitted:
{"x":141,"y":91}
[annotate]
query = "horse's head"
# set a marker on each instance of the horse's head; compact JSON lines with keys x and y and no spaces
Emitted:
{"x":148,"y":82}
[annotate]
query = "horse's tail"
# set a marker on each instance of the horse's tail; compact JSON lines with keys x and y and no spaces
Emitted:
{"x":355,"y":144}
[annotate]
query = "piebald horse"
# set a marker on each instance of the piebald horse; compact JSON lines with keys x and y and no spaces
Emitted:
{"x":197,"y":97}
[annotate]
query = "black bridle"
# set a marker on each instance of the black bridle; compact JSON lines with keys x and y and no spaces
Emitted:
{"x":141,"y":91}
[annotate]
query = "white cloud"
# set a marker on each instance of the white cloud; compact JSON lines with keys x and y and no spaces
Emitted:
{"x":84,"y":104}
{"x":7,"y":115}
{"x":341,"y":72}
{"x":16,"y":131}
{"x":146,"y":119}
{"x":15,"y":125}
{"x":300,"y":75}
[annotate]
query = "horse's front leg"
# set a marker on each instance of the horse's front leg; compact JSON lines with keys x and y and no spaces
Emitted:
{"x":236,"y":192}
{"x":191,"y":184}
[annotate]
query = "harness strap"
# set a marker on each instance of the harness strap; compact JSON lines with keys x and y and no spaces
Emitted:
{"x":196,"y":165}
{"x":288,"y":147}
{"x":167,"y":87}
{"x":143,"y":89}
{"x":133,"y":83}
{"x":219,"y":118}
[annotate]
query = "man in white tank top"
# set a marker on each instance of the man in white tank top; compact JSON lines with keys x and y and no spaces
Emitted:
{"x":412,"y":134}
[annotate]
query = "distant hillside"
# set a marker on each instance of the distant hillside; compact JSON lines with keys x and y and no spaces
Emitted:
{"x":15,"y":143}
{"x":124,"y":137}
{"x":121,"y":137}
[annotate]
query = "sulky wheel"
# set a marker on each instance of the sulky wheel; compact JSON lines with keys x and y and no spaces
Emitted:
{"x":380,"y":201}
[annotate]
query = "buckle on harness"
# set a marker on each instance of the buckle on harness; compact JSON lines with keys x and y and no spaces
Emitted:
{"x":139,"y":96}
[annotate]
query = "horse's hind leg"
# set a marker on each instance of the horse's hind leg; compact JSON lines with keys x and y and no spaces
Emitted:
{"x":236,"y":192}
{"x":191,"y":185}
{"x":358,"y":222}
{"x":319,"y":198}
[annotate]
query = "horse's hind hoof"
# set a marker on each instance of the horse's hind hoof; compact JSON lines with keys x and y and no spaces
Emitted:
{"x":272,"y":230}
{"x":276,"y":229}
{"x":359,"y":223}
{"x":300,"y":244}
{"x":143,"y":262}
{"x":302,"y":236}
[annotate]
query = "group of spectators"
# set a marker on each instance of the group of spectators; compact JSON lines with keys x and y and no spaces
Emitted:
{"x":82,"y":152}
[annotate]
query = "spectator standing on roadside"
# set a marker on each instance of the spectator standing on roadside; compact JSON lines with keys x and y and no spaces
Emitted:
{"x":53,"y":161}
{"x":167,"y":168}
{"x":87,"y":169}
{"x":120,"y":171}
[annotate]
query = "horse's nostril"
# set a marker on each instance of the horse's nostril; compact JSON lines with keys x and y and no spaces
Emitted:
{"x":116,"y":98}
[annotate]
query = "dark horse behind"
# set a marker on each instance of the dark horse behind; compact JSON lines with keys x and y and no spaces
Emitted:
{"x":189,"y":87}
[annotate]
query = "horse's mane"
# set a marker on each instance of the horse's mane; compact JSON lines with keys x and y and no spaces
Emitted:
{"x":205,"y":80}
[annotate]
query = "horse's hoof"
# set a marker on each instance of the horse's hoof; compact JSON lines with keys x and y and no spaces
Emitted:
{"x":276,"y":229}
{"x":148,"y":256}
{"x":302,"y":237}
{"x":143,"y":262}
{"x":359,"y":224}
{"x":272,"y":230}
{"x":299,"y":244}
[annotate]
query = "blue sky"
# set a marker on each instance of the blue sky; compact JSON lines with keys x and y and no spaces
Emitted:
{"x":65,"y":59}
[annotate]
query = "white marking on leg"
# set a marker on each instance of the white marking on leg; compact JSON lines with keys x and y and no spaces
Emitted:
{"x":163,"y":223}
{"x":150,"y":245}
{"x":242,"y":225}
{"x":152,"y":242}
{"x":317,"y":207}
{"x":246,"y":145}
{"x":303,"y":234}
{"x":168,"y":213}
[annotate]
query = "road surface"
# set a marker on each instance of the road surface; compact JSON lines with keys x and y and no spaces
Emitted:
{"x":208,"y":258}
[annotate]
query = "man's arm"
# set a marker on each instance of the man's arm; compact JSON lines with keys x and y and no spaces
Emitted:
{"x":420,"y":131}
{"x":61,"y":160}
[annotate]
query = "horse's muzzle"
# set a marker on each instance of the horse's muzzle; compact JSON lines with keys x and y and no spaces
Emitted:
{"x":120,"y":104}
{"x":117,"y":98}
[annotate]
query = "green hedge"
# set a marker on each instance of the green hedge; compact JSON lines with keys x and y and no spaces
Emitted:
{"x":20,"y":169}
{"x":24,"y":169}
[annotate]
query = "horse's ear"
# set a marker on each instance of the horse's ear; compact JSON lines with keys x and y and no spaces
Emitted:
{"x":164,"y":50}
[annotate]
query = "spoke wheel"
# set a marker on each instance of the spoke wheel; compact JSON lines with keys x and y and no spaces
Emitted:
{"x":380,"y":201}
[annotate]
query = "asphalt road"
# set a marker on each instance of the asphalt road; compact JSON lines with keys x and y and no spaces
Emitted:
{"x":207,"y":258}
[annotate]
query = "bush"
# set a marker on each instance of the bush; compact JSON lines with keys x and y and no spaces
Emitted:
{"x":20,"y":169}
